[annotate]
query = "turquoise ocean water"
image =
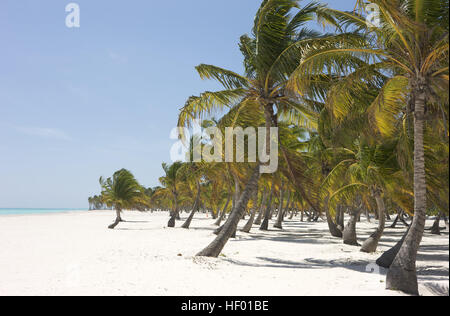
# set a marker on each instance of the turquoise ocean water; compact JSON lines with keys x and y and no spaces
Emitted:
{"x":25,"y":211}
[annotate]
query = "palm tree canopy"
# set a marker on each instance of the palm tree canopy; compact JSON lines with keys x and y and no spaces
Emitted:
{"x":123,"y":191}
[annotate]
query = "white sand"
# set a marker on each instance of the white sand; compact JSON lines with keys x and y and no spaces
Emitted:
{"x":74,"y":254}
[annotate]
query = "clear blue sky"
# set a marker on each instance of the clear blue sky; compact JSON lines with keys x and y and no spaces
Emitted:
{"x":76,"y":104}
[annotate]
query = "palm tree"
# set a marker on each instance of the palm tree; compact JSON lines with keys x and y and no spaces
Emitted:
{"x":268,"y":61}
{"x":122,"y":192}
{"x":193,"y":174}
{"x":268,"y":209}
{"x":364,"y":171}
{"x":412,"y":46}
{"x":171,"y":181}
{"x":248,"y":226}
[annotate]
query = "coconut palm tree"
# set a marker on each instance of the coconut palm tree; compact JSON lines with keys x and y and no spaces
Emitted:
{"x":277,"y":34}
{"x":364,"y":171}
{"x":122,"y":192}
{"x":411,"y":45}
{"x":171,"y":181}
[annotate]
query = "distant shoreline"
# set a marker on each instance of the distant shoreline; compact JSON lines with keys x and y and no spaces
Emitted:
{"x":6,"y":212}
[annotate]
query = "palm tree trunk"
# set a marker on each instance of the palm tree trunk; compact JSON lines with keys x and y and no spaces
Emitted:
{"x":349,"y":234}
{"x":195,"y":208}
{"x":280,"y":217}
{"x":237,"y":190}
{"x":265,"y":223}
{"x":175,"y":213}
{"x":216,"y":247}
{"x":118,"y":219}
{"x":371,"y":244}
{"x":388,"y":257}
{"x":335,"y":232}
{"x":402,"y":219}
{"x":272,"y":211}
{"x":291,"y":216}
{"x":436,"y":229}
{"x":251,"y":220}
{"x":340,"y":216}
{"x":368,"y":216}
{"x":289,"y":206}
{"x":402,"y":274}
{"x":214,"y":213}
{"x":261,"y":209}
{"x":394,"y":224}
{"x":222,"y":215}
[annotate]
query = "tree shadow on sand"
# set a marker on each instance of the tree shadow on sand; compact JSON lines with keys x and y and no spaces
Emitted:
{"x":427,"y":273}
{"x":364,"y":266}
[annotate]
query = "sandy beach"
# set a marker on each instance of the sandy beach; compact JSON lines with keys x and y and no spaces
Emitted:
{"x":74,"y":254}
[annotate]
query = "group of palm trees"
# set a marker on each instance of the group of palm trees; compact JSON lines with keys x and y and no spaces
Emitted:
{"x":96,"y":203}
{"x":362,"y":114}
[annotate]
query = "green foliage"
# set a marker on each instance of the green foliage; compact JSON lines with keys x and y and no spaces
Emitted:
{"x":123,"y":192}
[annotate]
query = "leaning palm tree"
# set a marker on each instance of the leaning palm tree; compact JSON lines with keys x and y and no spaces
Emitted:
{"x":410,"y":44}
{"x":171,"y":181}
{"x":277,"y":36}
{"x":122,"y":192}
{"x":366,"y":169}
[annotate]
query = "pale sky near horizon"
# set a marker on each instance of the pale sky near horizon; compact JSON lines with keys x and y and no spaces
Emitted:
{"x":77,"y":104}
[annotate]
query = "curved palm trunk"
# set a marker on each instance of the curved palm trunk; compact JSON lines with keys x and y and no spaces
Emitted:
{"x":282,"y":212}
{"x":340,"y":216}
{"x":399,"y":218}
{"x":222,"y":215}
{"x":349,"y":234}
{"x":402,"y":219}
{"x":293,"y":206}
{"x":265,"y":223}
{"x":230,"y":226}
{"x":234,"y":200}
{"x":118,"y":219}
{"x":272,"y":211}
{"x":249,"y":224}
{"x":259,"y":218}
{"x":402,"y":274}
{"x":251,"y":220}
{"x":175,"y":214}
{"x":261,"y":209}
{"x":388,"y":257}
{"x":371,"y":244}
{"x":335,"y":232}
{"x":195,"y":208}
{"x":394,"y":224}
